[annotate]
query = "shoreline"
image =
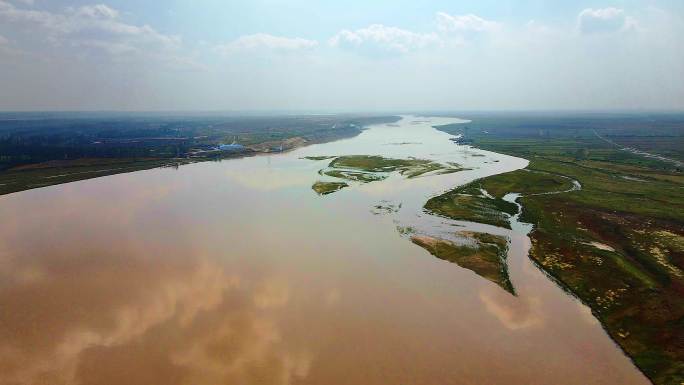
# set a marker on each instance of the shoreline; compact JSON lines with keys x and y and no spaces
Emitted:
{"x":562,"y":239}
{"x":102,"y":167}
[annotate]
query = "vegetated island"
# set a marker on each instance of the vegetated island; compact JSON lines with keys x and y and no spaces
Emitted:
{"x":322,"y":157}
{"x":371,"y":168}
{"x":485,"y":254}
{"x":325,"y":188}
{"x":410,"y":168}
{"x":43,"y":149}
{"x":618,"y":243}
{"x":471,"y":203}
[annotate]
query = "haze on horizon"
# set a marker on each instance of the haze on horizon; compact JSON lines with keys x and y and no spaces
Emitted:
{"x":299,"y":55}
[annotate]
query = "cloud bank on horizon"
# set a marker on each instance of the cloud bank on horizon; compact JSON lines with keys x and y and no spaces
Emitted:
{"x":67,"y":55}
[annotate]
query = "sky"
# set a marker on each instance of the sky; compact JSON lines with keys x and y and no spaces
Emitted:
{"x":341,"y":56}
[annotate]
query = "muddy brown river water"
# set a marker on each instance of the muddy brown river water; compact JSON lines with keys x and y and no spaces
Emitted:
{"x":236,"y":272}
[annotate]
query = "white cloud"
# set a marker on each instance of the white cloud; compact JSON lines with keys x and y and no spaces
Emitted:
{"x":451,"y":29}
{"x":7,"y":48}
{"x":99,"y":11}
{"x":11,"y":13}
{"x":465,"y":23}
{"x":96,"y":32}
{"x":378,"y":36}
{"x":91,"y":25}
{"x":264,"y":41}
{"x":490,"y":61}
{"x":603,"y":20}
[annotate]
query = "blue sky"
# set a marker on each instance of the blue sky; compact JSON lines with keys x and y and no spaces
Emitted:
{"x":341,"y":56}
{"x":216,"y":19}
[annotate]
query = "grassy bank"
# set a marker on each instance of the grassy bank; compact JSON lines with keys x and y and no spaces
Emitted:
{"x":54,"y":173}
{"x":617,"y":244}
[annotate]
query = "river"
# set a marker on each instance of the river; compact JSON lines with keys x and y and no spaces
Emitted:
{"x":237,"y":272}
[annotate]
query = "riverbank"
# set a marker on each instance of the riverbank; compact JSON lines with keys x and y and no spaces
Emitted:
{"x":633,"y":283}
{"x":59,"y":171}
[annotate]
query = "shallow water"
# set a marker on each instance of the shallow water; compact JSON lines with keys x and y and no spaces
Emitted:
{"x":237,"y":272}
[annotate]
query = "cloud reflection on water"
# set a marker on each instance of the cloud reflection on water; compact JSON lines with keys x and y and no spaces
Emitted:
{"x":191,"y":320}
{"x":513,"y":312}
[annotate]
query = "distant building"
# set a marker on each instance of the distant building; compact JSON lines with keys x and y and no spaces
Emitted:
{"x":233,"y":147}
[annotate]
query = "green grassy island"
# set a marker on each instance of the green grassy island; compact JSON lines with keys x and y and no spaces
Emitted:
{"x":325,"y":188}
{"x":485,"y":254}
